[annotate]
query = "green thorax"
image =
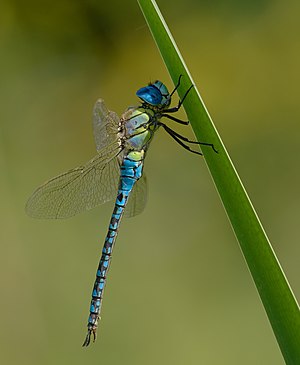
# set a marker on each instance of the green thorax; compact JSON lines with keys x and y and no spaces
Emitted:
{"x":139,"y":127}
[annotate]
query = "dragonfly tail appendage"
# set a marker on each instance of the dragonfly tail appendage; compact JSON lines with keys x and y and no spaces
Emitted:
{"x":88,"y":337}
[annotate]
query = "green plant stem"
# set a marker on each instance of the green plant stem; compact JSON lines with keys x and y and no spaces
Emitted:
{"x":275,"y":293}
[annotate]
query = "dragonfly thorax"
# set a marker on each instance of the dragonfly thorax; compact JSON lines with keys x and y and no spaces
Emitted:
{"x":139,"y":127}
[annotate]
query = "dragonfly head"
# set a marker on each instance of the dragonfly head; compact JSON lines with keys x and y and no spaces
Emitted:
{"x":155,"y":94}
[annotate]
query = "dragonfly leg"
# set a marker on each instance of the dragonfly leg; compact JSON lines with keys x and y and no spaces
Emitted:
{"x":185,"y":139}
{"x":175,"y":119}
{"x":177,"y":86}
{"x":176,"y":108}
{"x":179,"y":138}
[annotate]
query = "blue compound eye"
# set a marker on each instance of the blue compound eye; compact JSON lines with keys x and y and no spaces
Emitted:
{"x":150,"y":95}
{"x":155,"y":94}
{"x":161,"y":87}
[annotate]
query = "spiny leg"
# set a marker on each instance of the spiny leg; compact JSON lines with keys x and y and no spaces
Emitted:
{"x":170,"y":132}
{"x":183,"y":138}
{"x":177,"y":86}
{"x":176,"y":119}
{"x":176,"y":108}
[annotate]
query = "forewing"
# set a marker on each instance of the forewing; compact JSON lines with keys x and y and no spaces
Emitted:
{"x":79,"y":189}
{"x":137,"y":198}
{"x":106,"y":125}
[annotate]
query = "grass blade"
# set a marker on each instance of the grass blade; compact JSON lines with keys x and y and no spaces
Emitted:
{"x":275,"y":293}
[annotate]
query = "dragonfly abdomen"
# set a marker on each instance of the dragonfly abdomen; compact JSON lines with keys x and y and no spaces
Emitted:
{"x":131,"y":171}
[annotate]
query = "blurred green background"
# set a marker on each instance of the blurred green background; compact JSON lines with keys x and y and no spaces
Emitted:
{"x":179,"y":291}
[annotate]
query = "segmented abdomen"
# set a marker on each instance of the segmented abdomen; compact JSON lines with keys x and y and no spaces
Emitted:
{"x":131,"y":171}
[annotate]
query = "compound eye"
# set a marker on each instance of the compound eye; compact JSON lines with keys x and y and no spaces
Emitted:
{"x":150,"y":94}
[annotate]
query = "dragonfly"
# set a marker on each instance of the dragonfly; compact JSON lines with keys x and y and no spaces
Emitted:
{"x":115,"y":172}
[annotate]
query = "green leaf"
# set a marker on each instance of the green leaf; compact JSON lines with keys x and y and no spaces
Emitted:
{"x":273,"y":288}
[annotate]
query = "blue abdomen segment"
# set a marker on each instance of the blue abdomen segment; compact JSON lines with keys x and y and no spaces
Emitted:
{"x":131,"y":171}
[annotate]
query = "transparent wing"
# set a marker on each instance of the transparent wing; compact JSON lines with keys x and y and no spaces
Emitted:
{"x":138,"y":198}
{"x":79,"y":189}
{"x":106,"y":125}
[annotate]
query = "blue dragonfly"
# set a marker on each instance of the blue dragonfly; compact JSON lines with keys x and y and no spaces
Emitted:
{"x":116,"y":171}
